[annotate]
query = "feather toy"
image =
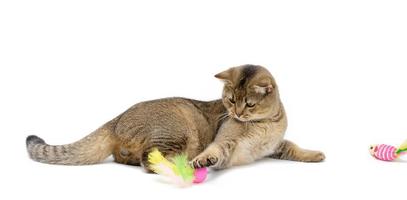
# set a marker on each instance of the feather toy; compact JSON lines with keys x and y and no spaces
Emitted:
{"x":387,"y":152}
{"x":178,"y":171}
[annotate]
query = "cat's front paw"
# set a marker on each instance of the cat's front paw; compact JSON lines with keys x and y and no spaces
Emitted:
{"x":204,"y":161}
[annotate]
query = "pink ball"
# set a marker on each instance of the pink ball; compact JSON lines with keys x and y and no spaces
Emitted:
{"x":200,"y":175}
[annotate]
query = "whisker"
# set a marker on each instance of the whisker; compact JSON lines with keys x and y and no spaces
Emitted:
{"x":222,"y":117}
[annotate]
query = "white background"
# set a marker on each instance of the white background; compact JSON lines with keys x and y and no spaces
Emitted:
{"x":66,"y":67}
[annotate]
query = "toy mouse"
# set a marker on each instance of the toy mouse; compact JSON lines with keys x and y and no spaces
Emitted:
{"x":387,"y":152}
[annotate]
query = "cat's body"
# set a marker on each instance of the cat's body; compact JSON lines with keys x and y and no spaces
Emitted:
{"x":247,"y":124}
{"x":259,"y":139}
{"x":173,"y":125}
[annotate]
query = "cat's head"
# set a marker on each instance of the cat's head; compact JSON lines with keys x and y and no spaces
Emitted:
{"x":250,"y":92}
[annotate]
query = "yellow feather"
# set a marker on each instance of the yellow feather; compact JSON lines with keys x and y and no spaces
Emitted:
{"x":156,"y":157}
{"x":403,"y":145}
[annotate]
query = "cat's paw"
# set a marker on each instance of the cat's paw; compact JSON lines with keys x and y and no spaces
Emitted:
{"x":204,"y":161}
{"x":315,"y":156}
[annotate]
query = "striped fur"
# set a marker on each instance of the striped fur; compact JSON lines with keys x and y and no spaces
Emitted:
{"x":172,"y":125}
{"x":90,"y":150}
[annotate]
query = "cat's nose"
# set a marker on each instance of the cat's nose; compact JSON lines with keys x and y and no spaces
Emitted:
{"x":239,"y":110}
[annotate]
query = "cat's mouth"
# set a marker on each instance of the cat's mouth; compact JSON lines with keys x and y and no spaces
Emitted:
{"x":241,"y":118}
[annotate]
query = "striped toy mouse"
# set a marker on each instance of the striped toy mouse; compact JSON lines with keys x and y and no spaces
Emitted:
{"x":387,"y":152}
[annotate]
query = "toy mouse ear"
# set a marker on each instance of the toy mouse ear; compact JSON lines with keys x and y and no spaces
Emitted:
{"x":264,"y":89}
{"x":372,"y":149}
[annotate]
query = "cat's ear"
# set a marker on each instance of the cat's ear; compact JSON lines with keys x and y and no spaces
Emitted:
{"x":263,"y":89}
{"x":225,"y":76}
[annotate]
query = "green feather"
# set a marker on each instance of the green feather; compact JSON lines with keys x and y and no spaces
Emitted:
{"x":401,"y":150}
{"x":183,"y":168}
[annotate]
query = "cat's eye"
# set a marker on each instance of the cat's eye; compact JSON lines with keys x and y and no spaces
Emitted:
{"x":250,"y":105}
{"x":232,"y":101}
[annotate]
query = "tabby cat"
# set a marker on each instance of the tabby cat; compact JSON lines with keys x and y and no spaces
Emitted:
{"x":247,"y":124}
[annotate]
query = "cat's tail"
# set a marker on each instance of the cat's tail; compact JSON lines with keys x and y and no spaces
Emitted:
{"x":92,"y":149}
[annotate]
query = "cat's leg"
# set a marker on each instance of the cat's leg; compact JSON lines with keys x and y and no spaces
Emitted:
{"x":123,"y":155}
{"x":290,"y":151}
{"x":216,"y":154}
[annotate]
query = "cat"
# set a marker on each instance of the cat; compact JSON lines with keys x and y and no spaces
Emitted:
{"x":248,"y":123}
{"x":256,"y":124}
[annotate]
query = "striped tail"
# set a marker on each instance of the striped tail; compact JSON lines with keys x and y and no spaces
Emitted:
{"x":92,"y":149}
